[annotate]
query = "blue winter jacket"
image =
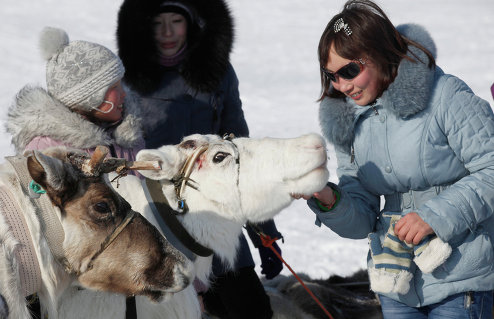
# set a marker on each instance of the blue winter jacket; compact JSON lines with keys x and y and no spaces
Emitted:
{"x":426,"y":146}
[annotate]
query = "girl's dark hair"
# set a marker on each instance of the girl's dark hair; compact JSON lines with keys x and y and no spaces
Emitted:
{"x":373,"y":37}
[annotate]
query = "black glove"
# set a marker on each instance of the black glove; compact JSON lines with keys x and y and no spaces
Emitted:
{"x":271,"y":265}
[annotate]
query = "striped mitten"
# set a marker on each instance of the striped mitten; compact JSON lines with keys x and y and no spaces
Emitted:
{"x":392,"y":260}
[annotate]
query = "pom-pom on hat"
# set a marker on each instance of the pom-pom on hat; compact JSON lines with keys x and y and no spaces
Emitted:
{"x":78,"y":73}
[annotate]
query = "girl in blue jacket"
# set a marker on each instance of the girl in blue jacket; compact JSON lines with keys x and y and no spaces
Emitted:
{"x":421,"y":140}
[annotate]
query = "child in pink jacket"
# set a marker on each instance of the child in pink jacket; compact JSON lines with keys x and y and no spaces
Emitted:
{"x":83,"y":104}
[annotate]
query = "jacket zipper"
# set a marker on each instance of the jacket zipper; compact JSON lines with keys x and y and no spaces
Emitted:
{"x":352,"y":155}
{"x":373,"y":105}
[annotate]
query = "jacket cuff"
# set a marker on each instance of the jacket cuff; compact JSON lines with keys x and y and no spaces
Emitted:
{"x":337,"y":212}
{"x":327,"y":208}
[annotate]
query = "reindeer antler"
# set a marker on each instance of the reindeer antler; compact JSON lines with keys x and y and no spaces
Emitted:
{"x":99,"y":163}
{"x":144,"y":165}
{"x":120,"y":165}
{"x":92,"y":166}
{"x":97,"y":158}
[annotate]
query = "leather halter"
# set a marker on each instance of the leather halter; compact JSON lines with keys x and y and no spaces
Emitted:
{"x":168,"y":223}
{"x":108,"y":240}
{"x":181,"y":179}
{"x":173,"y":229}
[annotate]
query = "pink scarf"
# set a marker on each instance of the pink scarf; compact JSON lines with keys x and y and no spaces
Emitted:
{"x":173,"y":60}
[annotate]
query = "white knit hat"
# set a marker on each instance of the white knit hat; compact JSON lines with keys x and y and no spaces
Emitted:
{"x":78,"y":73}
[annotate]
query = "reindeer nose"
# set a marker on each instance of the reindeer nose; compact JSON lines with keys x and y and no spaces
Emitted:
{"x":184,"y":272}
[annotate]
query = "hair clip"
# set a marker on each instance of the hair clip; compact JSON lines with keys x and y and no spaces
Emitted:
{"x":340,"y":24}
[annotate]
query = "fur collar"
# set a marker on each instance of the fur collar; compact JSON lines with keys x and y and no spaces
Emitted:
{"x":407,"y":95}
{"x":208,"y":52}
{"x":36,"y":113}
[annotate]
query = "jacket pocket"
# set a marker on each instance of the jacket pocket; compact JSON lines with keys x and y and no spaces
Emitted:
{"x":472,"y":257}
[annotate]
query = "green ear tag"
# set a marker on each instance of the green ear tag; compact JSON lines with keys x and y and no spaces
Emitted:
{"x":35,"y":190}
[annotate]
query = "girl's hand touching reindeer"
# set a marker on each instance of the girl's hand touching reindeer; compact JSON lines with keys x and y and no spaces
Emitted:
{"x":326,"y":196}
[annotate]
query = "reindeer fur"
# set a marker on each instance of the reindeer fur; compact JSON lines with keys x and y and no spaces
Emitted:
{"x":228,"y":196}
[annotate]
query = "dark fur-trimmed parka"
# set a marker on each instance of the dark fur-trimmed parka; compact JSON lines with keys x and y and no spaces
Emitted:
{"x":210,"y":40}
{"x":200,"y":94}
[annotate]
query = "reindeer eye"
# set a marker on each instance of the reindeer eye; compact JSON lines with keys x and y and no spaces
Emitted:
{"x":219,"y":157}
{"x":102,"y":207}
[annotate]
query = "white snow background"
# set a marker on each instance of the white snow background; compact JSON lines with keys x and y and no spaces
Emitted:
{"x":275,"y":57}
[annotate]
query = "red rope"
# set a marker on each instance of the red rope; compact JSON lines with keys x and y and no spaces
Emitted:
{"x":267,"y":241}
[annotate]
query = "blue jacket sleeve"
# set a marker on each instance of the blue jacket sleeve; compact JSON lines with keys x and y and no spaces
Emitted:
{"x":356,"y":213}
{"x":468,"y":123}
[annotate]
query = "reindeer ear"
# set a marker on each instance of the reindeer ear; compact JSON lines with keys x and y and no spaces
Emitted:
{"x":169,"y":158}
{"x":51,"y":173}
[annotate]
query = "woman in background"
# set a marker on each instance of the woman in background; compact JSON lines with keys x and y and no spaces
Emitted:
{"x":176,"y":56}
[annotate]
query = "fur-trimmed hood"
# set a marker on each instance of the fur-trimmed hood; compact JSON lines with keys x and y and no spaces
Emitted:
{"x":35,"y":113}
{"x":407,"y":95}
{"x":208,"y":48}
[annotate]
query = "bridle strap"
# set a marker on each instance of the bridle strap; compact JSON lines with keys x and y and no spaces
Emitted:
{"x":51,"y":227}
{"x":29,"y":272}
{"x":110,"y":238}
{"x":130,"y":308}
{"x":173,"y":229}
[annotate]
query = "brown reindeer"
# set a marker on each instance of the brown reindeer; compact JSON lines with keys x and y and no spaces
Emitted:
{"x":92,"y":238}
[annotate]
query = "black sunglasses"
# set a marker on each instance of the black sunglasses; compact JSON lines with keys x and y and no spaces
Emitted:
{"x":348,"y":72}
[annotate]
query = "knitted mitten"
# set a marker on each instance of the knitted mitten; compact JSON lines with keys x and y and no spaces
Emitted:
{"x":392,"y":260}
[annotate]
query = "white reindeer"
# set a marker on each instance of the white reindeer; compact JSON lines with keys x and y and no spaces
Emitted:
{"x":224,"y":183}
{"x":91,"y":237}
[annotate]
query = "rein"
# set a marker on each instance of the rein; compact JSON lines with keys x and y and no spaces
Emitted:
{"x":267,"y":241}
